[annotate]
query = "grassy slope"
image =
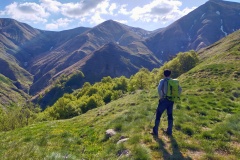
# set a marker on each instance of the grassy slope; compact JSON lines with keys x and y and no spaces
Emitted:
{"x":22,"y":75}
{"x":206,"y":121}
{"x":10,"y":93}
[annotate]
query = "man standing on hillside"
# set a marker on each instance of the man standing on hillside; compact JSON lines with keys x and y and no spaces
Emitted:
{"x":165,"y":103}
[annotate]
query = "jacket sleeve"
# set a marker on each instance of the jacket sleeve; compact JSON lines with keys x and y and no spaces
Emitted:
{"x":160,"y":85}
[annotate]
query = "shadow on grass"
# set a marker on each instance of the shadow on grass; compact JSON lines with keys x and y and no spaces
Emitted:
{"x":176,"y":154}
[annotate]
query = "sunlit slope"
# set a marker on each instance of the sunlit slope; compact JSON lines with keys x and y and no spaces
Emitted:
{"x":10,"y":93}
{"x":206,"y":120}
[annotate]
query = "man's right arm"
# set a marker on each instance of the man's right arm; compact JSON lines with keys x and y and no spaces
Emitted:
{"x":160,"y":85}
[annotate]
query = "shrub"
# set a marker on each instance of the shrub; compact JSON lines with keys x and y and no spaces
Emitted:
{"x":15,"y":117}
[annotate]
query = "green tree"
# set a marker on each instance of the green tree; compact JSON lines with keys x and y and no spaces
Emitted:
{"x":121,"y":84}
{"x":142,"y":79}
{"x":75,"y":79}
{"x":92,"y":90}
{"x":64,"y":108}
{"x":107,"y":79}
{"x":107,"y":96}
{"x":93,"y":102}
{"x":188,"y":60}
{"x":85,"y":88}
{"x":15,"y":116}
{"x":182,"y":63}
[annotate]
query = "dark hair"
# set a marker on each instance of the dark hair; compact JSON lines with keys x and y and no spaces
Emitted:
{"x":167,"y":72}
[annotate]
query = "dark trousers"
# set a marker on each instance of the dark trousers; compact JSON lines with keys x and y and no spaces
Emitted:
{"x":164,"y":104}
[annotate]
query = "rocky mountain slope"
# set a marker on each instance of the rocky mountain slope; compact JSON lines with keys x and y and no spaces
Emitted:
{"x":78,"y":49}
{"x":202,"y":27}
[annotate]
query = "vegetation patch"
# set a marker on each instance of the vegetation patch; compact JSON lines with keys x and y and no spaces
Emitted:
{"x":206,"y":119}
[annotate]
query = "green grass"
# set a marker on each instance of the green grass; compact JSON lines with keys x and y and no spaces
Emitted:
{"x":9,"y":93}
{"x":5,"y":80}
{"x":210,"y":133}
{"x":83,"y":135}
{"x":206,"y":121}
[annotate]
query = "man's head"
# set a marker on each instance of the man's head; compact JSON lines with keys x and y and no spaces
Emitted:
{"x":167,"y":72}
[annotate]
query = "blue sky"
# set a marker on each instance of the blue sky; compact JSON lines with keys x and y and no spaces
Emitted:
{"x":67,"y":14}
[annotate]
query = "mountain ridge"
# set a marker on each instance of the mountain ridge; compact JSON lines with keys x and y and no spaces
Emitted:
{"x":200,"y":28}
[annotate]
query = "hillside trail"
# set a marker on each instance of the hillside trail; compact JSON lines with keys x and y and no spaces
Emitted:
{"x":168,"y":148}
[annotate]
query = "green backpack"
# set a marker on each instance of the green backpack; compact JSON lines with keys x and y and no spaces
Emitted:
{"x":173,"y":90}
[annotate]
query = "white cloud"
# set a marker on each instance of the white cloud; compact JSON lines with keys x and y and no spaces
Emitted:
{"x":26,"y":11}
{"x":73,"y":10}
{"x":96,"y":19}
{"x":112,"y":8}
{"x":61,"y":22}
{"x":122,"y":21}
{"x":89,"y":11}
{"x":123,"y":10}
{"x":51,"y":26}
{"x":102,"y":8}
{"x":79,"y":10}
{"x":48,"y":12}
{"x":2,"y":13}
{"x":90,"y":4}
{"x":188,"y":10}
{"x":51,"y":5}
{"x":156,"y":11}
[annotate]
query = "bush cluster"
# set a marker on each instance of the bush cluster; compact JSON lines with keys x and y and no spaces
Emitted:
{"x":91,"y":96}
{"x":109,"y":89}
{"x":14,"y":116}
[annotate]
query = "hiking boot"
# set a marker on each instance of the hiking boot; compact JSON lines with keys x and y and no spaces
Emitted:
{"x":154,"y":133}
{"x":167,"y":133}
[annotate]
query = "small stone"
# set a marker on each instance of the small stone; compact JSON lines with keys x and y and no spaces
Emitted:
{"x":122,"y":140}
{"x":110,"y":132}
{"x":124,"y":152}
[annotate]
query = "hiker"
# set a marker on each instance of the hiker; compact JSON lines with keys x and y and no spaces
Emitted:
{"x":165,"y":103}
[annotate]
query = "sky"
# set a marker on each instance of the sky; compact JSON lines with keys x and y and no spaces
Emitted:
{"x":58,"y":15}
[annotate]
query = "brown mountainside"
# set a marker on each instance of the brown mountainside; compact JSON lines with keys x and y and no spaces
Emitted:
{"x":74,"y":50}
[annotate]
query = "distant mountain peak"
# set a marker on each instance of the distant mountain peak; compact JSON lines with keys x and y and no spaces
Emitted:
{"x":200,"y":28}
{"x":216,"y":0}
{"x":222,"y":2}
{"x":110,"y":23}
